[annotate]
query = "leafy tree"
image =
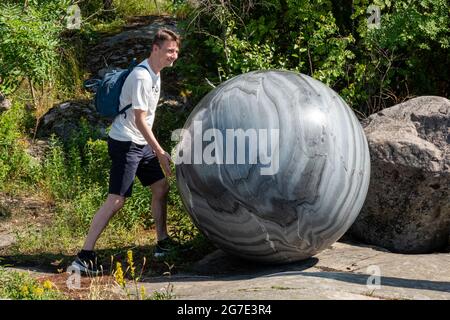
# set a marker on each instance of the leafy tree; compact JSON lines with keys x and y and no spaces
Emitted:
{"x":329,"y":40}
{"x":30,"y":45}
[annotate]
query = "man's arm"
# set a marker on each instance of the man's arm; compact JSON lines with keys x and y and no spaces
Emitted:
{"x":163,"y":156}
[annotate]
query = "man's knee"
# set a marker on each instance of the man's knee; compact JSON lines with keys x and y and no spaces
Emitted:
{"x":160,"y":189}
{"x":116,"y":202}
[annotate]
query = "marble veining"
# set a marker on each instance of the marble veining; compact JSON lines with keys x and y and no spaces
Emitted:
{"x":323,"y":167}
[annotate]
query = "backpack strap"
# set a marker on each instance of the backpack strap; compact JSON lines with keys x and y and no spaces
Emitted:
{"x":124,"y":110}
{"x":92,"y":84}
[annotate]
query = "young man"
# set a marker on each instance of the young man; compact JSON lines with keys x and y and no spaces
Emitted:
{"x":134,"y":150}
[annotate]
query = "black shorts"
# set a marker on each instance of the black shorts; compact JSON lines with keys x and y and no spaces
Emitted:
{"x":128,"y":161}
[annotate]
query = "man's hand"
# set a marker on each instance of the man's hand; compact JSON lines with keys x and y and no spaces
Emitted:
{"x":164,"y":161}
{"x":163,"y":157}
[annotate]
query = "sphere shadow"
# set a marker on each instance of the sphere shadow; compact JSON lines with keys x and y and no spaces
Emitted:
{"x":221,"y":264}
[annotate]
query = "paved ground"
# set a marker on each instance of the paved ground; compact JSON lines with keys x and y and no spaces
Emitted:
{"x":345,"y":271}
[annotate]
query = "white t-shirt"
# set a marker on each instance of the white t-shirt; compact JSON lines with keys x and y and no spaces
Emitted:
{"x":140,"y":89}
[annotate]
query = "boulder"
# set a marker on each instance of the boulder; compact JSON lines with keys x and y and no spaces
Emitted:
{"x":407,"y":209}
{"x":68,"y":119}
{"x":5,"y":104}
{"x":118,"y":51}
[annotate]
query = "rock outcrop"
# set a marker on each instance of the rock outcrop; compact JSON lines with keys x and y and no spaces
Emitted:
{"x":5,"y":104}
{"x":119,"y":50}
{"x":407,"y":208}
{"x":69,"y":118}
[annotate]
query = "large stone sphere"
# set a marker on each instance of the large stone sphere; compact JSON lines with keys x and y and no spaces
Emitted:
{"x":301,"y":181}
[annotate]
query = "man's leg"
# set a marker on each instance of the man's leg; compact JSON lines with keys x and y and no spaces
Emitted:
{"x":160,"y":190}
{"x":112,"y":204}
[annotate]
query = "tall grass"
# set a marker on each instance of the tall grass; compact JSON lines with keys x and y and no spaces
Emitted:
{"x":17,"y":167}
{"x":126,"y":8}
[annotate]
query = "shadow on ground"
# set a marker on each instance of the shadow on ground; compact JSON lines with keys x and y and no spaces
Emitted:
{"x":220,"y":266}
{"x":216,"y":266}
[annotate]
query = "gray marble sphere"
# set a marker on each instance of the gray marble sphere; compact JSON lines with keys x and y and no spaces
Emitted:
{"x":272,"y":166}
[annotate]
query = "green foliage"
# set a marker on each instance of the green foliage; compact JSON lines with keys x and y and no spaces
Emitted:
{"x":21,"y":286}
{"x":121,"y":9}
{"x":398,"y":60}
{"x":294,"y":35}
{"x":56,"y":177}
{"x":15,"y":163}
{"x":127,"y":8}
{"x":371,"y":68}
{"x":29,"y":39}
{"x":181,"y":224}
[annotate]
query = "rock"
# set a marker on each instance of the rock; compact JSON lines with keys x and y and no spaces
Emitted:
{"x":119,"y":50}
{"x":5,"y":104}
{"x":6,"y":239}
{"x":37,"y":150}
{"x":64,"y":105}
{"x":66,"y":119}
{"x":407,"y":208}
{"x":345,"y":271}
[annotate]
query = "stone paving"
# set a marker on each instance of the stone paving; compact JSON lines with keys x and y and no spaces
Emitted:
{"x":344,"y":271}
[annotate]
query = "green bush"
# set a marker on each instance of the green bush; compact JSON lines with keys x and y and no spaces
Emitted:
{"x":407,"y":56}
{"x":29,"y":39}
{"x":56,"y":179}
{"x":15,"y":163}
{"x":21,"y":286}
{"x":371,"y":68}
{"x":127,"y":8}
{"x":293,"y":35}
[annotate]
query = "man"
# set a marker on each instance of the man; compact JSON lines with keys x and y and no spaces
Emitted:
{"x":134,"y":150}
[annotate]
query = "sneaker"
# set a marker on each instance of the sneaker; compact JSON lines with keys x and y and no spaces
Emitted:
{"x":165,"y":247}
{"x":86,"y":262}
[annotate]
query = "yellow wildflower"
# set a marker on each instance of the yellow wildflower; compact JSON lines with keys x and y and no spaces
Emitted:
{"x":143,"y":293}
{"x":38,"y":291}
{"x":24,"y":291}
{"x":48,"y":285}
{"x":130,"y":262}
{"x":118,"y":275}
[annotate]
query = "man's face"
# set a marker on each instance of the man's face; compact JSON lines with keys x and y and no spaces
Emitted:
{"x":167,"y":53}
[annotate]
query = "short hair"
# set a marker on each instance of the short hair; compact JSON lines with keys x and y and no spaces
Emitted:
{"x":165,"y":35}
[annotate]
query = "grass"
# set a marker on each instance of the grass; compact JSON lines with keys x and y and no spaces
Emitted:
{"x":49,"y":232}
{"x":124,"y":9}
{"x":129,"y":8}
{"x":20,"y":285}
{"x":45,"y":232}
{"x":50,"y":223}
{"x":116,"y":284}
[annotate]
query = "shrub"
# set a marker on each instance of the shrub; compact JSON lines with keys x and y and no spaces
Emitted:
{"x":29,"y":39}
{"x":15,"y":163}
{"x":371,"y":68}
{"x":21,"y":286}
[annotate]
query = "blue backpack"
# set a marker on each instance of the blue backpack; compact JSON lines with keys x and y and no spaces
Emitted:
{"x":107,"y":91}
